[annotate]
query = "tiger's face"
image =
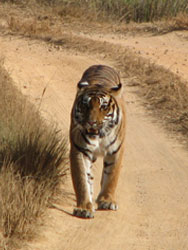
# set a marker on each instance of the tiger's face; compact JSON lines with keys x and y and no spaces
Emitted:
{"x":96,"y":111}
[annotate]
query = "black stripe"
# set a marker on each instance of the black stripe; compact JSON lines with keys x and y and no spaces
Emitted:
{"x":116,"y":105}
{"x":117,"y":119}
{"x":85,"y":138}
{"x":115,"y":151}
{"x":90,"y":176}
{"x":111,"y":124}
{"x":107,"y":173}
{"x":114,"y":122}
{"x":113,"y":106}
{"x":94,"y":159}
{"x":108,"y":164}
{"x":86,"y":152}
{"x":112,"y":142}
{"x":101,"y":134}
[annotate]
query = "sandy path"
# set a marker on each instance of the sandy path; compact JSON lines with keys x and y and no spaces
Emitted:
{"x":169,"y":50}
{"x":153,"y":187}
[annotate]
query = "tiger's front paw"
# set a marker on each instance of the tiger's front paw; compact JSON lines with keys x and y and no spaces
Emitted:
{"x":83,"y":213}
{"x":105,"y":205}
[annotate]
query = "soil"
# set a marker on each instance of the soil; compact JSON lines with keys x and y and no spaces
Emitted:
{"x":168,"y":50}
{"x":153,"y":187}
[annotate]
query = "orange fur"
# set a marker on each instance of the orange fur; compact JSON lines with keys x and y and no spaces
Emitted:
{"x":97,"y":127}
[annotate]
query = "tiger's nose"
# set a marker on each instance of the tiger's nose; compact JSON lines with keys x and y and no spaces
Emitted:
{"x":92,"y":123}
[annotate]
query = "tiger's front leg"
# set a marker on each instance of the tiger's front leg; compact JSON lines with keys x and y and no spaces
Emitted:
{"x":112,"y":165}
{"x":83,"y":183}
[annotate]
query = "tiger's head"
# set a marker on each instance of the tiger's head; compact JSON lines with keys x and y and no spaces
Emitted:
{"x":96,"y":109}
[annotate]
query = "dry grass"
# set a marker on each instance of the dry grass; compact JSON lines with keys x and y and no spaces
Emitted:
{"x":32,"y":163}
{"x":31,"y":16}
{"x":122,"y":10}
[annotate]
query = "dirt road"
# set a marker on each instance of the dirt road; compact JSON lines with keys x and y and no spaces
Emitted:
{"x":169,"y":50}
{"x":153,"y":187}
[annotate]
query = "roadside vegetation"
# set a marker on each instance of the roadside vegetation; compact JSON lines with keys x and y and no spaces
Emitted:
{"x":121,"y":16}
{"x":32,"y":164}
{"x":125,"y":10}
{"x":122,"y":10}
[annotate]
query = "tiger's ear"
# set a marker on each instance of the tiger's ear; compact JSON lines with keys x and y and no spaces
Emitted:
{"x":82,"y":85}
{"x":117,"y":90}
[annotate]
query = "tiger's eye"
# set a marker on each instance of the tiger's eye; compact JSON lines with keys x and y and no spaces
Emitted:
{"x":86,"y":100}
{"x":104,"y":106}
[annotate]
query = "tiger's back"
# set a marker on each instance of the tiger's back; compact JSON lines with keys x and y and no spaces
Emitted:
{"x":101,"y":75}
{"x":97,"y":128}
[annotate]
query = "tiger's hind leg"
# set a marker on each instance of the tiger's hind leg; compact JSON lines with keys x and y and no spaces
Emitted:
{"x":112,"y":165}
{"x":83,"y":183}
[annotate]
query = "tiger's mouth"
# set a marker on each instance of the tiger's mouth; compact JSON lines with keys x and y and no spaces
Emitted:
{"x":92,"y":131}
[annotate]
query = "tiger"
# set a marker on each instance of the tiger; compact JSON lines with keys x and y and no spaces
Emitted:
{"x":97,"y":129}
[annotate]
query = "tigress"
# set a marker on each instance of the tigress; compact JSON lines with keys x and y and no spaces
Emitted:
{"x":97,"y":128}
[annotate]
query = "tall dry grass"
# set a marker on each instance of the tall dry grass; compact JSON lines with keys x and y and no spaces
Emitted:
{"x":32,"y":165}
{"x":39,"y":18}
{"x":122,"y":10}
